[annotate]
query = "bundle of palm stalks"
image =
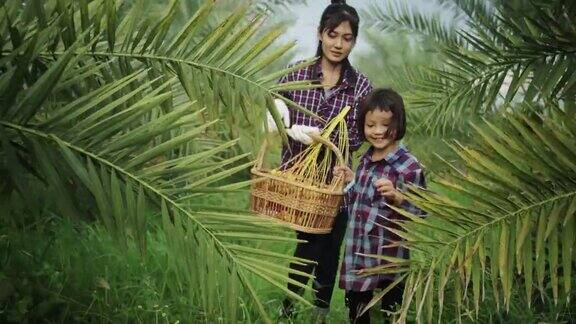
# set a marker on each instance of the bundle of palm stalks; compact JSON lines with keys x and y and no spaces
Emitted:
{"x":304,"y":195}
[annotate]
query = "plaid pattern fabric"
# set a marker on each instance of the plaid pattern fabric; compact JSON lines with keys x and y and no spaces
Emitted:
{"x":353,"y":87}
{"x":368,"y":214}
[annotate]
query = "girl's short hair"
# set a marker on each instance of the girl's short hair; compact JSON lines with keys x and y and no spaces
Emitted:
{"x":386,"y":100}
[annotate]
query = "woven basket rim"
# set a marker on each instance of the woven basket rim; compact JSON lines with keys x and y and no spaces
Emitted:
{"x":265,"y":174}
{"x":306,"y":229}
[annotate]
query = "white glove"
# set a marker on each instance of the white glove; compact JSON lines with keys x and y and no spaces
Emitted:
{"x":300,"y":133}
{"x":281,"y":108}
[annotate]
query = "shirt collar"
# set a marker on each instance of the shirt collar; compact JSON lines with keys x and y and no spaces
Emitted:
{"x":390,"y":158}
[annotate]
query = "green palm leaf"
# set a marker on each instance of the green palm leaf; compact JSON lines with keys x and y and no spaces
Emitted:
{"x":512,"y":226}
{"x":514,"y":54}
{"x":399,"y":16}
{"x":126,"y":110}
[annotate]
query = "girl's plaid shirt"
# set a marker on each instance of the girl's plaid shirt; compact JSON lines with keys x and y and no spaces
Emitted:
{"x":368,"y":214}
{"x":353,"y":87}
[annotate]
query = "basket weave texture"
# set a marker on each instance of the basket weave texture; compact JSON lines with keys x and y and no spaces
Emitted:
{"x":304,"y":207}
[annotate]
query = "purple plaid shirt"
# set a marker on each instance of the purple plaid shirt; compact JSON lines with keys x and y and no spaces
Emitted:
{"x":353,"y":87}
{"x":368,"y":214}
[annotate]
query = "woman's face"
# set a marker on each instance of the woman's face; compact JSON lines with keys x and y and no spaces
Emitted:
{"x":338,"y":43}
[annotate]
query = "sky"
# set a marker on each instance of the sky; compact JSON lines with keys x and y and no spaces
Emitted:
{"x":308,"y":18}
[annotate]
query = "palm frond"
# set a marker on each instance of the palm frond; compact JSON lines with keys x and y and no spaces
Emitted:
{"x":505,"y":65}
{"x":125,"y":110}
{"x":474,"y":9}
{"x":520,"y":184}
{"x":508,"y":58}
{"x":399,"y":16}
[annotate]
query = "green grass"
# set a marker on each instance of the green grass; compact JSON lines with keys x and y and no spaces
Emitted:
{"x":59,"y":271}
{"x":56,"y":270}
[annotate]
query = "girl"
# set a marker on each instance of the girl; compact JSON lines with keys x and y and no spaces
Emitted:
{"x":383,"y":172}
{"x":340,"y":85}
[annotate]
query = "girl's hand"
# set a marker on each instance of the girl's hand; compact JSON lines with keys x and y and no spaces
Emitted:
{"x":386,"y":188}
{"x":345,"y":172}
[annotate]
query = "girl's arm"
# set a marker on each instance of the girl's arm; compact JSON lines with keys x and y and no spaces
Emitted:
{"x":393,"y":192}
{"x":348,"y":174}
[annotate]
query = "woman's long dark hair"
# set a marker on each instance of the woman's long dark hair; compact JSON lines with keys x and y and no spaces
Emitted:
{"x":335,"y":14}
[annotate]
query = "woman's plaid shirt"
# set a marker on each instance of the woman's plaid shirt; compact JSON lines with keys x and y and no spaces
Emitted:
{"x":353,"y":87}
{"x":368,"y":214}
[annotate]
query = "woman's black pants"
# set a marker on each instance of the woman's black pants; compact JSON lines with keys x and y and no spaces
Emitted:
{"x":324,"y":249}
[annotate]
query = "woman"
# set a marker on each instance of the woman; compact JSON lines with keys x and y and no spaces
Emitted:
{"x":341,"y":86}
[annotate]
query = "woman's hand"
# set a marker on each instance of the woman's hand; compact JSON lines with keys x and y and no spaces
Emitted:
{"x":297,"y":132}
{"x":301,"y":133}
{"x":386,"y":188}
{"x":345,"y":172}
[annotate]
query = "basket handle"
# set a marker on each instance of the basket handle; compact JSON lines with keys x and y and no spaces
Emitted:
{"x":330,"y":145}
{"x":261,"y":153}
{"x":314,"y":136}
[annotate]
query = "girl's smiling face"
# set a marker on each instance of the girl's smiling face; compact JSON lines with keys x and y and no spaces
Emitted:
{"x":337,"y":43}
{"x":376,"y":130}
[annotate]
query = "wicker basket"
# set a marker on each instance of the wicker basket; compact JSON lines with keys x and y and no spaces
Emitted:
{"x":305,"y":208}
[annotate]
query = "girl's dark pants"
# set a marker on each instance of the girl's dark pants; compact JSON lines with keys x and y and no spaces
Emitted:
{"x":325,"y":250}
{"x":356,"y":300}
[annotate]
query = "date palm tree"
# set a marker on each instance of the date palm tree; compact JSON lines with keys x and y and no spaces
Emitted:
{"x":122,"y":115}
{"x":505,"y":214}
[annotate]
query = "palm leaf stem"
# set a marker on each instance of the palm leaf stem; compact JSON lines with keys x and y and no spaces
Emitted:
{"x":506,"y":216}
{"x":127,"y":174}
